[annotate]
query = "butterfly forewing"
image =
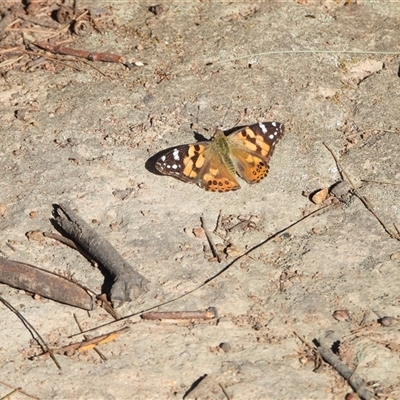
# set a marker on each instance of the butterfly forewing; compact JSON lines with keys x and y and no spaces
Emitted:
{"x":198,"y":163}
{"x":183,"y":162}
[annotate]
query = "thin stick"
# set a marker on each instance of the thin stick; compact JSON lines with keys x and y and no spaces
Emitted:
{"x":224,"y":391}
{"x":9,"y":50}
{"x":91,"y":56}
{"x":12,"y":61}
{"x":8,"y":395}
{"x":31,"y":329}
{"x":363,"y":199}
{"x":382,"y":182}
{"x":210,"y":240}
{"x":101,"y":355}
{"x":215,"y":276}
{"x":210,"y":313}
{"x":278,"y":52}
{"x":304,"y":341}
{"x":19,"y":390}
{"x":90,"y":343}
{"x":52,"y":58}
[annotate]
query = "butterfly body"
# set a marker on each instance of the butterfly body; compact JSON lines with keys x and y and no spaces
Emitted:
{"x":213,"y":164}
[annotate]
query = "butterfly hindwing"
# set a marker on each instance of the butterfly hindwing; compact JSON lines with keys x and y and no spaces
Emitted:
{"x":252,"y":147}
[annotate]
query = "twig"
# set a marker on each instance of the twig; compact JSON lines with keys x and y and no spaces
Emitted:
{"x":101,"y":355}
{"x":304,"y":341}
{"x":107,"y":305}
{"x":19,"y":390}
{"x":382,"y":182}
{"x":31,"y":329}
{"x":91,"y":56}
{"x":12,"y":61}
{"x":8,"y":395}
{"x":363,"y":199}
{"x":10,"y":50}
{"x":52,"y":58}
{"x":224,"y":391}
{"x":89,"y":344}
{"x":210,"y":240}
{"x":210,"y":313}
{"x":324,"y":349}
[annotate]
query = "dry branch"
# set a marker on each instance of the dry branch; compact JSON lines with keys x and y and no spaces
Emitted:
{"x":90,"y":344}
{"x":128,"y":283}
{"x":91,"y":56}
{"x":32,"y":330}
{"x":210,"y":313}
{"x":363,"y":199}
{"x":324,"y":349}
{"x":213,"y":248}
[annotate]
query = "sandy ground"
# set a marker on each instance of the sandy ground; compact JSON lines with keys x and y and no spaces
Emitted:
{"x":84,"y":138}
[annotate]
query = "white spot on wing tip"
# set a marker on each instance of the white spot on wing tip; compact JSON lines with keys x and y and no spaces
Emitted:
{"x":263,"y":127}
{"x":175,"y":154}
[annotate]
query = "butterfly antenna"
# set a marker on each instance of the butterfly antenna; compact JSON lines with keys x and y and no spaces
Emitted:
{"x":226,"y":115}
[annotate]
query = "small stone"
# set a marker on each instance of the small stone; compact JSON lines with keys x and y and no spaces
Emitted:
{"x":33,"y":214}
{"x":385,"y":321}
{"x":199,"y":233}
{"x":226,"y":347}
{"x":317,"y":231}
{"x":394,"y":256}
{"x":158,"y":9}
{"x":340,"y":189}
{"x":352,"y":396}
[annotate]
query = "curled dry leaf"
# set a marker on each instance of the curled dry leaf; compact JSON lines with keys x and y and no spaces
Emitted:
{"x":320,"y":196}
{"x":36,"y":236}
{"x":3,"y":210}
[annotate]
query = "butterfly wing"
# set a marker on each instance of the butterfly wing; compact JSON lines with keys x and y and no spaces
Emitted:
{"x":199,"y":163}
{"x":252,"y":147}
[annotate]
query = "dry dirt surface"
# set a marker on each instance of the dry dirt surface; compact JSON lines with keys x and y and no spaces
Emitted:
{"x":82,"y":133}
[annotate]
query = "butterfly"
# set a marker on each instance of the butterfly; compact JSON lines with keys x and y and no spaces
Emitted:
{"x":213,"y":164}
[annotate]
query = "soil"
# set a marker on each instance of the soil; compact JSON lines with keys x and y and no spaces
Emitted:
{"x":81,"y":135}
